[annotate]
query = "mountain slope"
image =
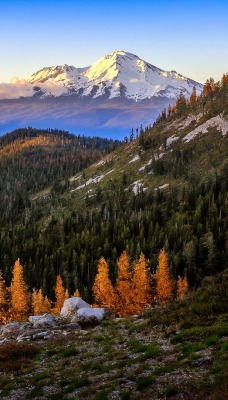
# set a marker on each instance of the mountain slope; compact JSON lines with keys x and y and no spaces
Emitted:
{"x":166,"y":188}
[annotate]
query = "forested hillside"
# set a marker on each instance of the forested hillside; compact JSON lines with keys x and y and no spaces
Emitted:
{"x":165,"y":188}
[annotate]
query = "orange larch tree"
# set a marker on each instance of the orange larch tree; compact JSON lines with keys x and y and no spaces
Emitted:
{"x":59,"y":294}
{"x":40,"y":304}
{"x":76,"y":293}
{"x":164,"y":280}
{"x":3,"y":299}
{"x":182,"y":287}
{"x":124,"y":295}
{"x":141,"y":285}
{"x":102,"y":288}
{"x":20,"y":298}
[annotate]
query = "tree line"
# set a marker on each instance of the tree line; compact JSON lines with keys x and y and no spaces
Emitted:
{"x":135,"y":289}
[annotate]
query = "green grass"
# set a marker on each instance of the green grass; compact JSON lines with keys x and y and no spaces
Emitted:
{"x":152,"y":350}
{"x":145,"y":381}
{"x":77,"y":384}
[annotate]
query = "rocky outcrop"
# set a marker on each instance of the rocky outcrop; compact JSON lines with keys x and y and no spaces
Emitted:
{"x":71,"y":306}
{"x":43,"y":321}
{"x":42,"y":327}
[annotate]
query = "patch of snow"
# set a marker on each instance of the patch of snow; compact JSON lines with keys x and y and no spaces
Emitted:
{"x":157,"y":157}
{"x":135,"y":158}
{"x":144,"y":166}
{"x":96,"y":179}
{"x":219,"y":122}
{"x":170,"y":140}
{"x":162,"y":186}
{"x":75,"y":178}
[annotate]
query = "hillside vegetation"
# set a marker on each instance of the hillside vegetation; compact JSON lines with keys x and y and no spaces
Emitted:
{"x":165,"y":188}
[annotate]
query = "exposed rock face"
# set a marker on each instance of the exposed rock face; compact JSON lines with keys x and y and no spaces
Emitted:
{"x":43,"y":321}
{"x":71,"y":306}
{"x":86,"y":313}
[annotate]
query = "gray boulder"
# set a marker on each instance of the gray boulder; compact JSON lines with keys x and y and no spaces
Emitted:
{"x":43,"y":321}
{"x":71,"y":306}
{"x":13,"y":329}
{"x":87,"y":313}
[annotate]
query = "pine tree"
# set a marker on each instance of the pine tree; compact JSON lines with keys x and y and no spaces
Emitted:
{"x":141,"y":285}
{"x":19,"y":294}
{"x":76,"y":293}
{"x":67,"y":294}
{"x":102,"y":287}
{"x":59,"y":294}
{"x":40,"y":304}
{"x":3,"y":299}
{"x":163,"y":277}
{"x":124,"y":294}
{"x":46,"y":305}
{"x":182,"y":287}
{"x":193,"y":96}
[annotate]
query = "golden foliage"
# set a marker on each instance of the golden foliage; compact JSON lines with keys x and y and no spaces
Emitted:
{"x":124,"y":294}
{"x":76,"y":293}
{"x":102,"y":287}
{"x":20,"y":298}
{"x":40,"y":304}
{"x":182,"y":287}
{"x":141,"y":285}
{"x":59,"y":294}
{"x":165,"y":283}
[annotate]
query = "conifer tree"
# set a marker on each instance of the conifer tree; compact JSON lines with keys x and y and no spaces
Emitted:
{"x":67,"y":294}
{"x":40,"y":303}
{"x":3,"y":299}
{"x":102,"y":287}
{"x":59,"y":294}
{"x":124,"y":295}
{"x":20,"y":298}
{"x":76,"y":293}
{"x":46,"y":305}
{"x":193,"y":96}
{"x":163,"y":277}
{"x":182,"y":287}
{"x":141,"y":285}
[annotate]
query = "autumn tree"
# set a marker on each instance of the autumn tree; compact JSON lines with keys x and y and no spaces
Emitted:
{"x":59,"y":294}
{"x":124,"y":296}
{"x":102,"y":287}
{"x":141,"y":284}
{"x":20,"y":298}
{"x":163,"y":277}
{"x":76,"y":293}
{"x":66,"y":294}
{"x":182,"y":287}
{"x":40,"y":304}
{"x":193,"y":97}
{"x":3,"y":299}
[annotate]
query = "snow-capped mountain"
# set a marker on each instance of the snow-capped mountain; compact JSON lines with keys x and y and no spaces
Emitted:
{"x":108,"y":98}
{"x":120,"y":74}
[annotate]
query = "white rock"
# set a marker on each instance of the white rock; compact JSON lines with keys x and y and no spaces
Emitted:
{"x":99,"y":313}
{"x":46,"y":320}
{"x":71,"y":305}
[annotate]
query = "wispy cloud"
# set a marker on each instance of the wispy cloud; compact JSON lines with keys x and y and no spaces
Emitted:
{"x":15,"y":89}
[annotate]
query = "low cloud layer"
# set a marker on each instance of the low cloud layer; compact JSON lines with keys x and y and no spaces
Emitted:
{"x":21,"y":88}
{"x":15,"y":89}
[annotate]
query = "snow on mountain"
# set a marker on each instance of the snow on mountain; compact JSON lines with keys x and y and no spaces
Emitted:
{"x":120,"y":74}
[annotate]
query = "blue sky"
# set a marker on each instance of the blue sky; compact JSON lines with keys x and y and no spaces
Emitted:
{"x":189,"y":37}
